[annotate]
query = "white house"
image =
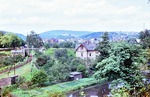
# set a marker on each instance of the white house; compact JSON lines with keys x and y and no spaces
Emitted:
{"x":86,"y":51}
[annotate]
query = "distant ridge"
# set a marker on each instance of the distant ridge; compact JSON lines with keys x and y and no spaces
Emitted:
{"x":19,"y":35}
{"x":63,"y":34}
{"x":67,"y":34}
{"x":112,"y":35}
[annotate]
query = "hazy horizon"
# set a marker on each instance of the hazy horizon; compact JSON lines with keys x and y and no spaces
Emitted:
{"x":22,"y":16}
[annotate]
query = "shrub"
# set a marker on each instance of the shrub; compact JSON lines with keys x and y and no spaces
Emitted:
{"x":26,"y":85}
{"x":39,"y":78}
{"x":6,"y":90}
{"x":20,"y":80}
{"x":83,"y":69}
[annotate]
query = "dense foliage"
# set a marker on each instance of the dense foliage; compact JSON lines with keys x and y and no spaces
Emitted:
{"x":145,"y":38}
{"x":6,"y":61}
{"x":65,"y":44}
{"x":58,"y":63}
{"x":103,"y":47}
{"x":122,"y":66}
{"x":39,"y":78}
{"x":10,"y":40}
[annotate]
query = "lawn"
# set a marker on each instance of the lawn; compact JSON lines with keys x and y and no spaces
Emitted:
{"x":24,"y":71}
{"x":58,"y":90}
{"x":51,"y":51}
{"x":5,"y":53}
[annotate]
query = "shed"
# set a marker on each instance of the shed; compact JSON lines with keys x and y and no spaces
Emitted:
{"x":75,"y":75}
{"x":13,"y":79}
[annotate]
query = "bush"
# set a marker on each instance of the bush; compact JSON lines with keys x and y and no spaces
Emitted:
{"x":39,"y":78}
{"x":6,"y":90}
{"x":20,"y":80}
{"x":61,"y":54}
{"x":42,"y":60}
{"x":75,"y":63}
{"x":26,"y":85}
{"x":58,"y":73}
{"x":83,"y":69}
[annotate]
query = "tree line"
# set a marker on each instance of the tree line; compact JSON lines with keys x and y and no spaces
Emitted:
{"x":10,"y":40}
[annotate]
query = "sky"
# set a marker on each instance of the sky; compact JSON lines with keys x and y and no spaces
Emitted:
{"x":23,"y":16}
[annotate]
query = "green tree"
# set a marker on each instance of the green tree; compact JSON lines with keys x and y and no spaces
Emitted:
{"x":67,"y":44}
{"x":39,"y":78}
{"x":58,"y":73}
{"x":122,"y":66}
{"x":75,"y":62}
{"x":41,"y":60}
{"x":34,"y":40}
{"x":83,"y":69}
{"x":61,"y":55}
{"x":145,"y":38}
{"x":103,"y":47}
{"x":11,"y":40}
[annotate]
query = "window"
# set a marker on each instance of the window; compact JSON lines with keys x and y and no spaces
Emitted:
{"x":89,"y":54}
{"x":81,"y":54}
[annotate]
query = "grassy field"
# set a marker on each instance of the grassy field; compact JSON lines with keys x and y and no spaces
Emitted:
{"x":24,"y":71}
{"x":51,"y":51}
{"x":58,"y":90}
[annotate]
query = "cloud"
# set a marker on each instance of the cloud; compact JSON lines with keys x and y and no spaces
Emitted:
{"x":96,"y":15}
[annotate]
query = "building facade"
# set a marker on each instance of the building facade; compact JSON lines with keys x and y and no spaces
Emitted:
{"x":86,"y":51}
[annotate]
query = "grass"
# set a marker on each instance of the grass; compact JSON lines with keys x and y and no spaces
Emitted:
{"x":5,"y":52}
{"x":51,"y":51}
{"x":24,"y":71}
{"x":55,"y":90}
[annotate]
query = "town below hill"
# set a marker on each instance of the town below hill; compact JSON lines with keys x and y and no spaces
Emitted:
{"x":69,"y":34}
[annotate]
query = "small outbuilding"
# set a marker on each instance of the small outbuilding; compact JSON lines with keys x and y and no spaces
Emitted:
{"x":75,"y":75}
{"x":14,"y":79}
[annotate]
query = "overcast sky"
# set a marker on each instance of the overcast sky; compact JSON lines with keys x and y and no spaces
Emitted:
{"x":22,"y":16}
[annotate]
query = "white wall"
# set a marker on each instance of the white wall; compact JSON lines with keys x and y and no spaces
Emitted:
{"x":86,"y":55}
{"x":83,"y":51}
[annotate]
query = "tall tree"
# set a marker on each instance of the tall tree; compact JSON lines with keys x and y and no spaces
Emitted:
{"x":103,"y":47}
{"x":122,"y":66}
{"x":145,"y":38}
{"x":34,"y":40}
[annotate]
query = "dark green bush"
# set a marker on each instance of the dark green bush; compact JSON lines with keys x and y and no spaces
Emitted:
{"x":39,"y":78}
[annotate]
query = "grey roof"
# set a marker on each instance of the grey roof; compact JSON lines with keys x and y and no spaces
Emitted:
{"x":75,"y":73}
{"x":88,"y":46}
{"x":77,"y":45}
{"x":16,"y":51}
